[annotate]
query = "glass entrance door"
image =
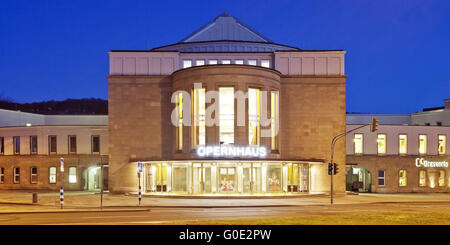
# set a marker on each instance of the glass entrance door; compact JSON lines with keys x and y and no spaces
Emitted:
{"x":293,"y":177}
{"x":202,"y":178}
{"x":251,"y":177}
{"x":227,"y":179}
{"x":157,"y":177}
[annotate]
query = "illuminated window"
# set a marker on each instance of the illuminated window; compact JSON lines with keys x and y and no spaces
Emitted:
{"x":179,"y":134}
{"x":358,"y":143}
{"x":16,"y":177}
{"x":441,"y":178}
{"x":254,"y":106}
{"x":381,"y":144}
{"x":52,"y":175}
{"x":422,"y":144}
{"x":252,"y":62}
{"x":226,"y":62}
{"x":422,"y":178}
{"x":2,"y":148}
{"x":239,"y":62}
{"x":16,"y":144}
{"x":200,"y":62}
{"x":95,"y":143}
{"x":381,"y":177}
{"x":402,"y":177}
{"x":33,"y":175}
{"x":52,"y":144}
{"x":226,"y":115}
{"x":72,"y":144}
{"x":212,"y":62}
{"x":2,"y":175}
{"x":274,"y":118}
{"x":441,"y":145}
{"x":403,"y":144}
{"x":187,"y":63}
{"x":265,"y":63}
{"x":33,"y":144}
{"x":199,"y":115}
{"x":72,"y":175}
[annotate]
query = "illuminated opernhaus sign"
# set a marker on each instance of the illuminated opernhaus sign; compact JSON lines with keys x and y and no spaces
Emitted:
{"x":231,"y":151}
{"x":420,"y":162}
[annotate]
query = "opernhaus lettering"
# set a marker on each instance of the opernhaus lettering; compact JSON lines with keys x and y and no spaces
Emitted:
{"x":231,"y":151}
{"x":420,"y":162}
{"x":196,"y":235}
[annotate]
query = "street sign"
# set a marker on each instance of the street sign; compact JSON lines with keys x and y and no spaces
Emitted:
{"x":139,"y":167}
{"x":62,"y":164}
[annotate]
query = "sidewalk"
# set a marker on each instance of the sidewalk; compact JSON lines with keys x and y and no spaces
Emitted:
{"x":20,"y":201}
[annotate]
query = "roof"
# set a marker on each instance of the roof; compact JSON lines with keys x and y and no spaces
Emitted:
{"x":225,"y":27}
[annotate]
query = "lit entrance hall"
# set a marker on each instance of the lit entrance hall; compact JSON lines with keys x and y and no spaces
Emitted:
{"x":227,"y":177}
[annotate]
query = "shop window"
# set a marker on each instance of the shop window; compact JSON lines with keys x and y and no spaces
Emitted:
{"x":274,"y":118}
{"x":403,"y":144}
{"x":441,"y":144}
{"x":72,"y":144}
{"x":2,"y":175}
{"x":52,"y":175}
{"x":179,"y":133}
{"x":381,"y":177}
{"x":187,"y":63}
{"x":2,"y":148}
{"x":95,"y":144}
{"x":273,"y":178}
{"x":199,"y":116}
{"x":16,"y":144}
{"x":239,"y":62}
{"x":402,"y":177}
{"x":72,"y":175}
{"x":200,"y":62}
{"x":226,"y":62}
{"x":33,"y":144}
{"x":381,"y":144}
{"x":252,"y":62}
{"x":265,"y":63}
{"x":226,"y":115}
{"x":358,"y":143}
{"x":34,"y":175}
{"x":441,"y":178}
{"x":254,"y":113}
{"x":212,"y":62}
{"x":16,"y":175}
{"x":422,"y":144}
{"x":52,"y":144}
{"x":422,"y":178}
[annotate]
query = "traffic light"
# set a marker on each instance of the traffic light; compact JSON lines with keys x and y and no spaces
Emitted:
{"x":330,"y":168}
{"x":335,"y":168}
{"x":374,"y":126}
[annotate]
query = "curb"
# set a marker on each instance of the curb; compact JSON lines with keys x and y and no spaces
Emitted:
{"x":76,"y":211}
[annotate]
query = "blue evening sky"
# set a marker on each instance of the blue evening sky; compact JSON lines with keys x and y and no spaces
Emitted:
{"x":397,"y":61}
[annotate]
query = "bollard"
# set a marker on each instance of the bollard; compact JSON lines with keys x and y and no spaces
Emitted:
{"x":35,"y":197}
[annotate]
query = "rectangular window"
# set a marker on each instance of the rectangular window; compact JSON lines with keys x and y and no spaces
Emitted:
{"x":422,"y":144}
{"x":2,"y":148}
{"x":95,"y":144}
{"x":179,"y":132}
{"x":252,"y":62}
{"x":33,"y":144}
{"x":226,"y":62}
{"x":422,"y":178}
{"x":212,"y":62}
{"x":33,"y":175}
{"x":2,"y":175}
{"x":254,"y":106}
{"x":187,"y":63}
{"x":274,"y":118}
{"x":441,"y":178}
{"x":381,"y":144}
{"x":72,"y":175}
{"x":402,"y":144}
{"x":200,"y":62}
{"x":226,"y":115}
{"x":442,"y":141}
{"x":402,"y":177}
{"x":52,"y":144}
{"x":358,"y":143}
{"x":239,"y":62}
{"x":72,"y":144}
{"x":381,"y":177}
{"x":199,"y":116}
{"x":16,"y":144}
{"x":16,"y":177}
{"x":52,"y":175}
{"x":265,"y":63}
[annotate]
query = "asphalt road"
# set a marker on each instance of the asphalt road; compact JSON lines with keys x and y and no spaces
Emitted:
{"x":164,"y":215}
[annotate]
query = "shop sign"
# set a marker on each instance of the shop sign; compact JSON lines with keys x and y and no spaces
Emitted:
{"x":231,"y":151}
{"x":420,"y":162}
